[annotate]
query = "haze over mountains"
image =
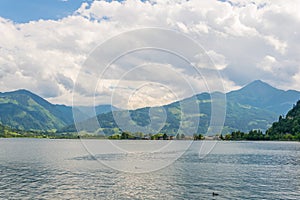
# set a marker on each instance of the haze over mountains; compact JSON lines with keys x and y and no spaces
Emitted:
{"x":255,"y":106}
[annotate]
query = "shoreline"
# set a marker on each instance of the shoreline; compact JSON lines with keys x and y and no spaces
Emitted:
{"x":101,"y":138}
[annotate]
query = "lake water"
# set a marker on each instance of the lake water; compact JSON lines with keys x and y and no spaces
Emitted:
{"x":63,"y":169}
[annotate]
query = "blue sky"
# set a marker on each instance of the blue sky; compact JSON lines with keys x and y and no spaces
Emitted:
{"x":22,"y":11}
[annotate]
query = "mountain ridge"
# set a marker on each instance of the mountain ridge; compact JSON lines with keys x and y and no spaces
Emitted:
{"x":256,"y":105}
{"x":263,"y":95}
{"x":246,"y":110}
{"x":25,"y":110}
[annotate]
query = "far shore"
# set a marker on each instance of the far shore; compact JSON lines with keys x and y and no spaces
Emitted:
{"x":106,"y":138}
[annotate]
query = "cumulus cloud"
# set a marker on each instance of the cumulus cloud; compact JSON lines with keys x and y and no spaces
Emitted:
{"x":267,"y":64}
{"x":246,"y":40}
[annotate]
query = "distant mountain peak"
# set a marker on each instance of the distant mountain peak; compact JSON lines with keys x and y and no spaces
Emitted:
{"x":262,"y":95}
{"x":259,"y":84}
{"x":258,"y":88}
{"x":23,"y":90}
{"x":20,"y":91}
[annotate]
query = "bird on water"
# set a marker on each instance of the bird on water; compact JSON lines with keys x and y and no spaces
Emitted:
{"x":215,"y":194}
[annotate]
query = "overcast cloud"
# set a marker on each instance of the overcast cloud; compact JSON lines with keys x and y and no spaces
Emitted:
{"x":247,"y":40}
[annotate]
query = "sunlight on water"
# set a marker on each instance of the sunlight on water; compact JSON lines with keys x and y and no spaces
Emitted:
{"x":62,"y":169}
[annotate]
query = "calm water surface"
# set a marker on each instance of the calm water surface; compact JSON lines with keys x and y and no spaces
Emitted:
{"x":63,"y":169}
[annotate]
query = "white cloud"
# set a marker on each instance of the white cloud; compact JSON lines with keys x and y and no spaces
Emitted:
{"x":277,"y":44}
{"x":247,"y":40}
{"x":219,"y":60}
{"x":267,"y":64}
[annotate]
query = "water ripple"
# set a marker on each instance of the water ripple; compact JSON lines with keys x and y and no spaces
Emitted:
{"x":235,"y":171}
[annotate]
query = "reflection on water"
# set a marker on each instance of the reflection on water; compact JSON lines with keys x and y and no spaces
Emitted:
{"x":62,"y":169}
{"x":136,"y":156}
{"x":141,"y":156}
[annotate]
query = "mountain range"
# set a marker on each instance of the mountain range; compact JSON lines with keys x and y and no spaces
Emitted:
{"x":25,"y":110}
{"x":255,"y":106}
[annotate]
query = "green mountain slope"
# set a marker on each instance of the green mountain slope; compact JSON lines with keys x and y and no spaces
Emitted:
{"x":289,"y":126}
{"x":241,"y":114}
{"x":7,"y":132}
{"x":255,"y":106}
{"x":261,"y":95}
{"x":24,"y":110}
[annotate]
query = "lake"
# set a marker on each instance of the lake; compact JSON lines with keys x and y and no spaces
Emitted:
{"x":65,"y":169}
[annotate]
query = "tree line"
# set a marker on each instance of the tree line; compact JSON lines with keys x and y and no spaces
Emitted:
{"x":259,"y":135}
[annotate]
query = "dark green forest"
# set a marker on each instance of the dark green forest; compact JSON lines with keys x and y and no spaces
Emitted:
{"x":287,"y":128}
